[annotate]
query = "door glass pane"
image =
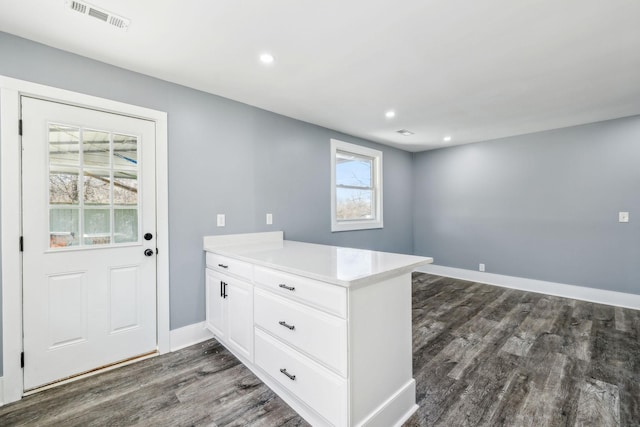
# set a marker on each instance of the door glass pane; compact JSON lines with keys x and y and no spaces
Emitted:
{"x":64,"y":144}
{"x":354,"y":204}
{"x":125,"y":188}
{"x":94,"y":174}
{"x":126,"y":225}
{"x":96,"y":148}
{"x":63,"y":227}
{"x":97,"y":226}
{"x":63,"y":186}
{"x":125,"y":151}
{"x":97,"y":187}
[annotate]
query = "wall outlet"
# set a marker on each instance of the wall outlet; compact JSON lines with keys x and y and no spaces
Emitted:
{"x":623,"y":216}
{"x":481,"y":267}
{"x":221,"y":220}
{"x":269,"y":219}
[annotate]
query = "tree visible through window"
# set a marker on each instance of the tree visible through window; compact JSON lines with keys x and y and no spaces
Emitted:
{"x":356,"y":187}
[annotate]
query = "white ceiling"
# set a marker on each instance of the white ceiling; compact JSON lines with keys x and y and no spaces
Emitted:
{"x":472,"y":69}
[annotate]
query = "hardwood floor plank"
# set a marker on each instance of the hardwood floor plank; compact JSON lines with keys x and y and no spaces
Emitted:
{"x":539,"y":321}
{"x":599,"y":404}
{"x":540,"y":405}
{"x":621,"y":323}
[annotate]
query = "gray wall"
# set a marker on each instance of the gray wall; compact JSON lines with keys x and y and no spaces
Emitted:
{"x":226,"y":157}
{"x":541,"y":206}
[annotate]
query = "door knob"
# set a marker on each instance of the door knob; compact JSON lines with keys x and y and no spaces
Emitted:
{"x":148,"y":236}
{"x":148,"y":252}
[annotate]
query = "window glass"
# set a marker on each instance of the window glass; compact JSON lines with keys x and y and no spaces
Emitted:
{"x":352,"y":170}
{"x":356,"y":187}
{"x":93,"y":187}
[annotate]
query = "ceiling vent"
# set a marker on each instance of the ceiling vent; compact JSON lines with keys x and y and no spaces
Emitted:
{"x":101,"y":14}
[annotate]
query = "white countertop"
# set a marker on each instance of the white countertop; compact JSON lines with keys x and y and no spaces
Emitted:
{"x":341,"y":266}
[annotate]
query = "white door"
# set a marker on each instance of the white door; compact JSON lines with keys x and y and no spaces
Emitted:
{"x":89,"y":288}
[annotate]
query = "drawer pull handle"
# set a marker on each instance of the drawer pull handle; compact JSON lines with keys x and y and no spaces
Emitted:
{"x":223,"y":266}
{"x":289,"y":288}
{"x":283,"y":323}
{"x":291,"y":377}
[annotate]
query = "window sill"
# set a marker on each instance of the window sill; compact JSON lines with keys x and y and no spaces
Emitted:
{"x":355,"y":225}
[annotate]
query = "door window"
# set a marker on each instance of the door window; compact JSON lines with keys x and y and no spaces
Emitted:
{"x":93,"y":187}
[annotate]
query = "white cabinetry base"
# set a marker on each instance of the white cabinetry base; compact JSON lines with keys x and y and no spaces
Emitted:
{"x":330,"y":327}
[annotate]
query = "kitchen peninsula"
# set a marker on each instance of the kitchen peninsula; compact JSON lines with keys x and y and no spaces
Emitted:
{"x":327,"y":328}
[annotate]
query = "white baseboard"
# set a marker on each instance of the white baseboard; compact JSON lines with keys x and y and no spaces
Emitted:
{"x":189,"y":335}
{"x":600,"y":296}
{"x":396,"y":410}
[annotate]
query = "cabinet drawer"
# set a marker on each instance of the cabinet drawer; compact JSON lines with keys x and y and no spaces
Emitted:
{"x":325,"y":296}
{"x":229,"y":265}
{"x":318,"y":334}
{"x":319,"y":388}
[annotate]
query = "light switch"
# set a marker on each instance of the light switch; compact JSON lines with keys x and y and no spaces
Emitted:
{"x":221,"y":220}
{"x":481,"y":267}
{"x":623,"y":216}
{"x":269,"y":219}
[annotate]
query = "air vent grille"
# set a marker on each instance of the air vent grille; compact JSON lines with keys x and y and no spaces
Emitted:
{"x":79,"y":7}
{"x":118,"y":22}
{"x":101,"y":14}
{"x":98,"y":14}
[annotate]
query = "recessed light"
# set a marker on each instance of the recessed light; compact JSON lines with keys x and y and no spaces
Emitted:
{"x":390,"y":114}
{"x":446,"y":139}
{"x":266,"y":58}
{"x":404,"y":132}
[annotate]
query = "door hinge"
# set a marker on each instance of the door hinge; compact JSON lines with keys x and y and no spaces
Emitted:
{"x":156,"y":251}
{"x":21,"y":244}
{"x":22,"y":359}
{"x":20,"y":127}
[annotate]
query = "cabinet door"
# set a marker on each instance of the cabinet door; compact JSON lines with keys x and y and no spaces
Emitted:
{"x":240,"y":317}
{"x":215,"y":314}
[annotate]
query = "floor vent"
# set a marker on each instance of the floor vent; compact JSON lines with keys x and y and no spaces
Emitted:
{"x":101,"y":14}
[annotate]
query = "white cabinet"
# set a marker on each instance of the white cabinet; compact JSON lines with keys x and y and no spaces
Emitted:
{"x":331,"y":326}
{"x":229,"y":313}
{"x":216,"y":305}
{"x":240,"y":317}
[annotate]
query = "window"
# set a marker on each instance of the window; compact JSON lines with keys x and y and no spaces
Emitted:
{"x":356,"y":187}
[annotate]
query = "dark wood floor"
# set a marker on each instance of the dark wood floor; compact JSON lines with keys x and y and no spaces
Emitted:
{"x":483,"y":356}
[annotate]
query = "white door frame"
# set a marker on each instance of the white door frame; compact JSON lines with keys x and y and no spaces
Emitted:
{"x":11,"y":216}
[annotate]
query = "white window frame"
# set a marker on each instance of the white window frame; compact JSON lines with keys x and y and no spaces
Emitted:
{"x":376,"y":155}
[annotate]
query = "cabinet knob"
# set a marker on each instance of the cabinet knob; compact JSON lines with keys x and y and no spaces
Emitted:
{"x":289,"y":288}
{"x":291,"y":377}
{"x":223,"y":266}
{"x":283,"y":323}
